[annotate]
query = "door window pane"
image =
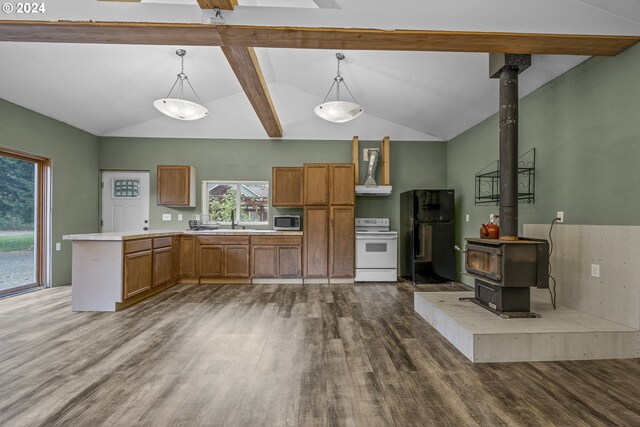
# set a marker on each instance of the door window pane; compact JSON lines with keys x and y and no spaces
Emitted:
{"x":17,"y":223}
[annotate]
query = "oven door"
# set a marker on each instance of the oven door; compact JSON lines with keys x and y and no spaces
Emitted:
{"x":376,"y":251}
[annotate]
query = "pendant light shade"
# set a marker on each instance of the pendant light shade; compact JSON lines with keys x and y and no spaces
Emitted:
{"x":177,"y":107}
{"x":338,"y":111}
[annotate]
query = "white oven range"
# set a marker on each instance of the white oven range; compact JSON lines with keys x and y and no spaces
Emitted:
{"x":376,"y":251}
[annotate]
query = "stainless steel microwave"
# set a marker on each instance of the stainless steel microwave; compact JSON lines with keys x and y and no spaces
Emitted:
{"x":286,"y":222}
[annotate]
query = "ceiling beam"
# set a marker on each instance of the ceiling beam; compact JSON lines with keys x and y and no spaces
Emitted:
{"x":109,"y":33}
{"x":221,"y":4}
{"x":245,"y":65}
{"x":312,"y":38}
{"x":423,"y":40}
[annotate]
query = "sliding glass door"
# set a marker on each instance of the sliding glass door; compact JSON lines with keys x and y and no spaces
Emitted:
{"x":21,"y":233}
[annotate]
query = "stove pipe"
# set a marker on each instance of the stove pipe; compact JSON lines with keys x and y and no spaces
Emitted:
{"x":507,"y":67}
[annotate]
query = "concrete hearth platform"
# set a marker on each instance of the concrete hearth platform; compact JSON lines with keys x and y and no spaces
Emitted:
{"x":562,"y":334}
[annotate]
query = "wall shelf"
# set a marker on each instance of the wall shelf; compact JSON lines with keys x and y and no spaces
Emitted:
{"x":487,"y":181}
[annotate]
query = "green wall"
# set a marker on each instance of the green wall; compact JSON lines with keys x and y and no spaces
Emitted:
{"x":74,"y":155}
{"x":413,"y":165}
{"x":585,"y":127}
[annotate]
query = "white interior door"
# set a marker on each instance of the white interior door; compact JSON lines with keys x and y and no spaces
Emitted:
{"x":125,"y":201}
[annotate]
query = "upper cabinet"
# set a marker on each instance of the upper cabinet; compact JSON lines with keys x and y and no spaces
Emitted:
{"x":316,"y":184}
{"x":176,"y":185}
{"x":341,"y":184}
{"x":286,"y":187}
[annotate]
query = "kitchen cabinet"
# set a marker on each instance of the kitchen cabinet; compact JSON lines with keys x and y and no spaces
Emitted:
{"x":176,"y":186}
{"x":137,"y":268}
{"x":175,"y":263}
{"x":162,"y":261}
{"x":287,"y":187}
{"x":342,"y":242}
{"x":341,"y":188}
{"x":316,"y":184}
{"x":188,"y":257}
{"x":211,"y":260}
{"x":316,"y":236}
{"x":276,"y":256}
{"x":223,"y":256}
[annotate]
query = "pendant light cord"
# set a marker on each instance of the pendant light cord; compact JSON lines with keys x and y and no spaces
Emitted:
{"x":338,"y":79}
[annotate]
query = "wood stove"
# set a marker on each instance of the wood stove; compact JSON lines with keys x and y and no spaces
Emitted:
{"x":505,"y":270}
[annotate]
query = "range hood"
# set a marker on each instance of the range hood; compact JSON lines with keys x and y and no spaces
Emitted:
{"x":373,"y":190}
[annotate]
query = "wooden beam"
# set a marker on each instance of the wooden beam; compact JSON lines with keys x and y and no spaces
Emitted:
{"x":423,"y":40}
{"x":221,"y":4}
{"x":311,"y":38}
{"x":109,"y":33}
{"x":355,"y":158}
{"x":386,"y":161}
{"x":245,"y":65}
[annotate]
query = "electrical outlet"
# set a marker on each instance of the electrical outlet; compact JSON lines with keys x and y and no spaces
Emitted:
{"x":179,"y":217}
{"x":467,"y":217}
{"x":166,"y":217}
{"x":595,"y":270}
{"x":560,"y":216}
{"x":196,"y":217}
{"x":57,"y":246}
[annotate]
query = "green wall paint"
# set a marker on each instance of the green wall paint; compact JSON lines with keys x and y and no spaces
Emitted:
{"x":413,"y":165}
{"x":585,"y":126}
{"x":74,"y":155}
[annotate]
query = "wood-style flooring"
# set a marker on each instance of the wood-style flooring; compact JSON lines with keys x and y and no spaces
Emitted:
{"x":281,"y":355}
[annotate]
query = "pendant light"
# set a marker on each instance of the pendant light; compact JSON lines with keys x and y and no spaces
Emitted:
{"x":338,"y":111}
{"x":178,"y":107}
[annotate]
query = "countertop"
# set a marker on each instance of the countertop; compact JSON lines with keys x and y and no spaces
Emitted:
{"x":131,"y":235}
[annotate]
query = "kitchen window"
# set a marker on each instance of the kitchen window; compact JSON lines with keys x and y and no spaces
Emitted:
{"x":248,"y":200}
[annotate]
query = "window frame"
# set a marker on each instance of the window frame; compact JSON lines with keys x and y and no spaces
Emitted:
{"x":205,"y":200}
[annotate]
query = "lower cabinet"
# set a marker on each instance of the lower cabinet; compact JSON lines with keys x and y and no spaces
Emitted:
{"x":162,"y":266}
{"x":276,"y":257}
{"x":188,"y":245}
{"x":316,"y":245}
{"x":342,"y":241}
{"x":236,"y":261}
{"x":137,"y":273}
{"x":211,"y":260}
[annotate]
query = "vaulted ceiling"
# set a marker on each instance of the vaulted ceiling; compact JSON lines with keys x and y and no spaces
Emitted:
{"x":107,"y":89}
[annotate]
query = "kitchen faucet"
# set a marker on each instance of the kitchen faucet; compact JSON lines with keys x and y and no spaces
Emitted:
{"x":233,"y":221}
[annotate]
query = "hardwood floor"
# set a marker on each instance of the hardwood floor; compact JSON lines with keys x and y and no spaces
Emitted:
{"x":277,"y":355}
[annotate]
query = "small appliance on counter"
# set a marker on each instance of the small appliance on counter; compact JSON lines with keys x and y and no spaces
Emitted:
{"x":376,"y":251}
{"x":286,"y":222}
{"x":197,"y":224}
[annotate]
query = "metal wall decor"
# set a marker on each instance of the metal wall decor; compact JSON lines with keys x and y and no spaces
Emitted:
{"x":125,"y":188}
{"x":487,"y":181}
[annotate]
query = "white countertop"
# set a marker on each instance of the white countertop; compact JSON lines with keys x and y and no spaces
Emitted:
{"x":130,"y":235}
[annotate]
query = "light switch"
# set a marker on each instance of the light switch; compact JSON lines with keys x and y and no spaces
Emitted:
{"x":467,"y":217}
{"x":166,"y":217}
{"x":57,"y":246}
{"x":179,"y":217}
{"x":595,"y":270}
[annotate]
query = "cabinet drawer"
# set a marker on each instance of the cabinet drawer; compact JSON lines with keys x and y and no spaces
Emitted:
{"x":223,"y":240}
{"x":276,"y":240}
{"x":131,"y":246}
{"x":162,"y":242}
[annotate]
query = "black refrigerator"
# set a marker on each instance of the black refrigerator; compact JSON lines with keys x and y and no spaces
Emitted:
{"x":427,"y":236}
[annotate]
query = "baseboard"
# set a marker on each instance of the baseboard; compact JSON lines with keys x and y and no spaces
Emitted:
{"x":277,"y":281}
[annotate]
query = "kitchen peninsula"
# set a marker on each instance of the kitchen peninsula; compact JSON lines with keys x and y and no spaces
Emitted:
{"x":111,"y":271}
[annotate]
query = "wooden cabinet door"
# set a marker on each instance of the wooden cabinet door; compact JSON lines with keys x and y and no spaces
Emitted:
{"x":342,"y":184}
{"x":211,"y":260}
{"x":289,"y":261}
{"x":316,"y":184}
{"x":188,"y":257}
{"x":264,"y":261}
{"x":174,"y":185}
{"x":175,"y":262}
{"x":342,"y":242}
{"x":137,"y":273}
{"x":236,"y":261}
{"x":316,"y":236}
{"x":162,"y":266}
{"x":286,"y":187}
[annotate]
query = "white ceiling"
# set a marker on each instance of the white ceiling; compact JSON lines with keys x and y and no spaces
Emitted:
{"x":108,"y":89}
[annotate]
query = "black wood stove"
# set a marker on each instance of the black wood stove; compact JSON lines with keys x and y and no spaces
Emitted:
{"x":505,"y":270}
